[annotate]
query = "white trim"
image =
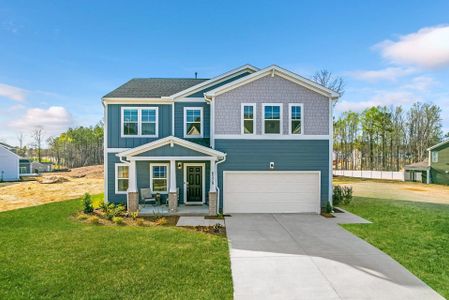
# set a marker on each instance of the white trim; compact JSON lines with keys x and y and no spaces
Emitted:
{"x":220,"y":78}
{"x":166,"y":158}
{"x":274,"y":70}
{"x":171,"y":140}
{"x":438,"y":145}
{"x":281,"y":124}
{"x":212,"y":125}
{"x":105,"y":154}
{"x":242,"y":118}
{"x":128,"y":101}
{"x":270,"y":137}
{"x":199,"y":136}
{"x":275,"y":172}
{"x":191,"y":100}
{"x":116,"y":150}
{"x":139,"y":121}
{"x":203,"y":188}
{"x":173,"y":119}
{"x":331,"y":149}
{"x":290,"y":105}
{"x":167,"y":165}
{"x":116,"y":178}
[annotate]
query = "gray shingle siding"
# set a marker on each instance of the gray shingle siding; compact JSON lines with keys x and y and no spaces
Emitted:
{"x":200,"y":94}
{"x":288,"y":155}
{"x":271,"y":90}
{"x":114,"y":121}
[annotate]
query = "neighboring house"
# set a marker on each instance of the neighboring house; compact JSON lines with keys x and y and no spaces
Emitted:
{"x":418,"y":172}
{"x":248,"y":141}
{"x":25,"y":166}
{"x":39,"y":167}
{"x":9,"y":165}
{"x":439,"y":163}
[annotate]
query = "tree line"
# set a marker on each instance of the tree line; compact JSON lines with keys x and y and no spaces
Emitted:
{"x":77,"y":147}
{"x":386,"y":138}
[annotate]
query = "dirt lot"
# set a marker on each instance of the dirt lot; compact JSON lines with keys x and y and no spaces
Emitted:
{"x":72,"y":184}
{"x":396,"y":190}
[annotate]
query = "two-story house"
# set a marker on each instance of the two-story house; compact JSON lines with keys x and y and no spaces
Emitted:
{"x":248,"y":141}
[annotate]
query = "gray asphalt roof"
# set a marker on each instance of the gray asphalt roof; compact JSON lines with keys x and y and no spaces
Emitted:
{"x":153,"y":87}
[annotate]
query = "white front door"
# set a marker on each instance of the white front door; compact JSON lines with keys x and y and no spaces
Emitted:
{"x":271,"y":192}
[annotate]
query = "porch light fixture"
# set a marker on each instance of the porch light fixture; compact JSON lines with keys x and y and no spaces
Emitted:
{"x":179,"y":165}
{"x":272,"y":165}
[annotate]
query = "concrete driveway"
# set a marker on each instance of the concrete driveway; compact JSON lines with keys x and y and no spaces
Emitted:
{"x":301,"y":256}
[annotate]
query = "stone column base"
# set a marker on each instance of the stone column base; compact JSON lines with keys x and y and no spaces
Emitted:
{"x":133,"y":201}
{"x":212,"y":203}
{"x":172,"y":202}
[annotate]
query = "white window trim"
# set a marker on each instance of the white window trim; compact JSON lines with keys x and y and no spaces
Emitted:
{"x":201,"y":124}
{"x":434,"y":156}
{"x":167,"y":165}
{"x":116,"y":177}
{"x":242,"y":116}
{"x":280,"y":118}
{"x":139,"y":121}
{"x":290,"y":105}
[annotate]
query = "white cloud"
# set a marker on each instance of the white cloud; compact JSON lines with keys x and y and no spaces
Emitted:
{"x":421,"y":83}
{"x":53,"y":120}
{"x":391,"y":74}
{"x":12,"y":92}
{"x":426,"y":48}
{"x":380,"y":98}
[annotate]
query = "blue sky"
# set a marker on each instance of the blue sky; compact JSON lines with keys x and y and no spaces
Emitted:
{"x":57,"y":58}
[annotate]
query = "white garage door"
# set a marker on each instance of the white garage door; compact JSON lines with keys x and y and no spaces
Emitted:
{"x":271,"y":192}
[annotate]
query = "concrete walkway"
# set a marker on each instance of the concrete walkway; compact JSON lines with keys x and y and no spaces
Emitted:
{"x":300,"y":256}
{"x":197,"y":221}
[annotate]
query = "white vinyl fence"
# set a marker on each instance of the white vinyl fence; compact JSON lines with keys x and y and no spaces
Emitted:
{"x":371,"y":174}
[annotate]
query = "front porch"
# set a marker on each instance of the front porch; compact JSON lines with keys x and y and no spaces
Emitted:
{"x":172,"y":177}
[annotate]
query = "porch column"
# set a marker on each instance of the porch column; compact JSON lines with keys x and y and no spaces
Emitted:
{"x":172,"y":195}
{"x":133,"y":194}
{"x":428,"y":176}
{"x":213,"y":189}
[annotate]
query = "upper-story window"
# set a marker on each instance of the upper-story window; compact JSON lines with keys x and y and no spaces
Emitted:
{"x":272,"y":118}
{"x":139,"y":121}
{"x":295,"y":118}
{"x":434,"y":156}
{"x":248,"y":118}
{"x":193,"y":122}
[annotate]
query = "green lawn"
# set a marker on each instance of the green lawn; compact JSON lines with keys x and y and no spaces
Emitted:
{"x":46,"y":254}
{"x":415,"y":234}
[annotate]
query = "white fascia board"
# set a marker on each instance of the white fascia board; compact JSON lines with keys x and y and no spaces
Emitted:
{"x":163,"y":100}
{"x":170,"y":140}
{"x":273,"y":70}
{"x":438,"y":145}
{"x":215,"y":80}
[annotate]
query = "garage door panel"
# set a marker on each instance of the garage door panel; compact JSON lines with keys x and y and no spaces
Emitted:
{"x":271,"y":192}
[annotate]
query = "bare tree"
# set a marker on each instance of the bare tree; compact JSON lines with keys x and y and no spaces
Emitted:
{"x":38,"y":136}
{"x":329,"y":80}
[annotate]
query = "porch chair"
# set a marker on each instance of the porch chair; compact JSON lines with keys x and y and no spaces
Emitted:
{"x":147,"y":197}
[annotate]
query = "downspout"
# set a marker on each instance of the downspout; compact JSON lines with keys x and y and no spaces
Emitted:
{"x":216,"y":183}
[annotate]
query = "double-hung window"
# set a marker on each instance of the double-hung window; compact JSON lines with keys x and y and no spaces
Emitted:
{"x":121,"y":178}
{"x":248,"y":118}
{"x":434,"y":156}
{"x":193,"y":122}
{"x":272,"y":118}
{"x":139,"y":121}
{"x":295,"y":118}
{"x":159,"y":178}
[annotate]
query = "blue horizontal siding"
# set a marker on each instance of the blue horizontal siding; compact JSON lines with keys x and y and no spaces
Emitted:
{"x":112,"y":196}
{"x":114,"y":130}
{"x":287,"y":155}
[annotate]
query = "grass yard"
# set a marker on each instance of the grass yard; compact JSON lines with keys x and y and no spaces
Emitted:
{"x":415,"y":234}
{"x":44,"y":253}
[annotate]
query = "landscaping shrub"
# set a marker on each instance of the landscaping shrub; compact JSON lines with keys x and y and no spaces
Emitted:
{"x":114,"y":210}
{"x":117,"y":220}
{"x":134,"y":215}
{"x":329,"y":208}
{"x":342,"y":195}
{"x":87,"y":204}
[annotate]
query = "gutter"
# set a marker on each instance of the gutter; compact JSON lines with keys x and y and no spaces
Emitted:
{"x":216,"y":185}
